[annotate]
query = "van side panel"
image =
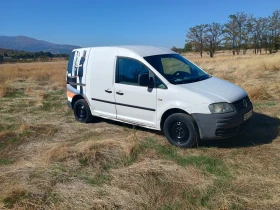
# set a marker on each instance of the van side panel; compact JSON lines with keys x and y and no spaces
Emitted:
{"x":100,"y":84}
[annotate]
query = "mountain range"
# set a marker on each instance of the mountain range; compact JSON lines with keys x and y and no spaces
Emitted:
{"x":27,"y":44}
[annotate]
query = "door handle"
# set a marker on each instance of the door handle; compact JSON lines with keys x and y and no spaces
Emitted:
{"x":119,"y":93}
{"x":108,"y":91}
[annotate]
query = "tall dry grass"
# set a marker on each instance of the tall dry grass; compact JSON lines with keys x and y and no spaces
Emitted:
{"x":46,"y":73}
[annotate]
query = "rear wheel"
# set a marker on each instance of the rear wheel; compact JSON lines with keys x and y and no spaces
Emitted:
{"x":179,"y":129}
{"x":82,"y":112}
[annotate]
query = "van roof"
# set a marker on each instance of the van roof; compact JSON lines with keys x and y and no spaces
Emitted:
{"x":143,"y":51}
{"x":147,"y":50}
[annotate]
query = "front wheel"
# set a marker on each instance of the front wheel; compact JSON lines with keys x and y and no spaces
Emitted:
{"x":82,"y":112}
{"x":179,"y":129}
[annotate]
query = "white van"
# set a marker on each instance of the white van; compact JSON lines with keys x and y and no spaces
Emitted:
{"x":155,"y":88}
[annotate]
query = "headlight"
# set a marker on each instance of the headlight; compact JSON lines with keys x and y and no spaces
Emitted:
{"x":220,"y":108}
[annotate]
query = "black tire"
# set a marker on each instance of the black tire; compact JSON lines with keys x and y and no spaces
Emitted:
{"x":179,"y":129}
{"x":82,"y":112}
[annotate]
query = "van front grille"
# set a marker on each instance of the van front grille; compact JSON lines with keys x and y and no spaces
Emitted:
{"x":239,"y":105}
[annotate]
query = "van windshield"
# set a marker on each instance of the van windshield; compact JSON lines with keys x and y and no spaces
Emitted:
{"x":176,"y":69}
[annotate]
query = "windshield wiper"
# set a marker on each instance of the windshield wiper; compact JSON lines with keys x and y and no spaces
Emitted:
{"x":184,"y":81}
{"x":193,"y":80}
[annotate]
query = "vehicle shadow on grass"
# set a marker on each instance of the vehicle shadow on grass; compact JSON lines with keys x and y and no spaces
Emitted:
{"x":262,"y":129}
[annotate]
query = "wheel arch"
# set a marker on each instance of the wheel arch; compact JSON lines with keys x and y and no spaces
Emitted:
{"x":76,"y":98}
{"x":169,"y":112}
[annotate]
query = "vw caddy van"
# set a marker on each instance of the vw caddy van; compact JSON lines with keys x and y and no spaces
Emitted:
{"x":155,"y":88}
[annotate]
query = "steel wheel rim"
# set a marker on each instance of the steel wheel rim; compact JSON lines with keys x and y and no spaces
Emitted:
{"x":81,"y":112}
{"x":179,"y":132}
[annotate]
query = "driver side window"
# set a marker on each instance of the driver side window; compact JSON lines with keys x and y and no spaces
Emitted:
{"x":128,"y":71}
{"x":171,"y":66}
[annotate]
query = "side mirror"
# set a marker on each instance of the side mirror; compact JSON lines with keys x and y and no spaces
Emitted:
{"x":145,"y":80}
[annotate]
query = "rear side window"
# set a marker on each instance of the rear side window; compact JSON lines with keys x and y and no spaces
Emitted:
{"x":70,"y":64}
{"x":128,"y":71}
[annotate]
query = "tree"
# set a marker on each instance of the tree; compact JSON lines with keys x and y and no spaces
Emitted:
{"x":174,"y":48}
{"x":258,"y":33}
{"x":195,"y":37}
{"x":247,"y":33}
{"x":213,"y":37}
{"x":48,"y":54}
{"x":236,"y":28}
{"x":177,"y":50}
{"x":1,"y":58}
{"x":274,"y":28}
{"x":188,"y":47}
{"x":231,"y":32}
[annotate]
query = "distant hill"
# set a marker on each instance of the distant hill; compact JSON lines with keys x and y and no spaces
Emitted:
{"x":23,"y":43}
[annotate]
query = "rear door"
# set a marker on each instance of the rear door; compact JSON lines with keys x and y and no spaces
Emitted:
{"x":134,"y":103}
{"x":70,"y":77}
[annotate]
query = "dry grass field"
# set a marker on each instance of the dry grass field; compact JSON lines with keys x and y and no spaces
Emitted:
{"x":50,"y":161}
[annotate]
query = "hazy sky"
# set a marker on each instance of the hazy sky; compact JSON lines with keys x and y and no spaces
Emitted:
{"x":118,"y":22}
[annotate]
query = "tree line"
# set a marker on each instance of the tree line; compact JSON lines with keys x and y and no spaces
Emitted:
{"x":15,"y":56}
{"x":241,"y":32}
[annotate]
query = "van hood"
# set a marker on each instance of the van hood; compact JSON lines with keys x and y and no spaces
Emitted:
{"x":217,"y":90}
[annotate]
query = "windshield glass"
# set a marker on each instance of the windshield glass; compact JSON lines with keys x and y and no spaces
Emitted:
{"x":176,"y":69}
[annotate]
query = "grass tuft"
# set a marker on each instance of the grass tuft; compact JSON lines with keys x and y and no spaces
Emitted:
{"x":212,"y":165}
{"x":6,"y":161}
{"x":14,"y":197}
{"x":98,"y":179}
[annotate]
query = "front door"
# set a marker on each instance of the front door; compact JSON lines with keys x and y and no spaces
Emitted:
{"x":135,"y":104}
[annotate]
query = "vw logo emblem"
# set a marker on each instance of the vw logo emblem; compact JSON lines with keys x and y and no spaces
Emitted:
{"x":245,"y":103}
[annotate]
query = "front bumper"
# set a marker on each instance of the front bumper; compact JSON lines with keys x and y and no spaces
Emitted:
{"x":219,"y":126}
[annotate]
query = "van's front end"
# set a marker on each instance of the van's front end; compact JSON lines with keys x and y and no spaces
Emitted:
{"x":219,"y":109}
{"x":226,"y":120}
{"x":225,"y":110}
